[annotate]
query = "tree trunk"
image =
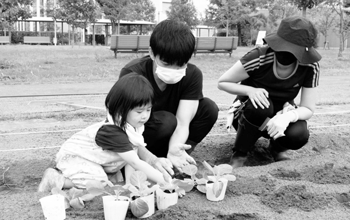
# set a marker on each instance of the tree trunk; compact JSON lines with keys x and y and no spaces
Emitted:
{"x":10,"y":34}
{"x":326,"y":43}
{"x":73,"y":32}
{"x":85,"y":26}
{"x":341,"y":33}
{"x":239,"y":33}
{"x":113,"y":27}
{"x":118,"y":29}
{"x":93,"y":35}
{"x":227,"y":28}
{"x":69,"y":38}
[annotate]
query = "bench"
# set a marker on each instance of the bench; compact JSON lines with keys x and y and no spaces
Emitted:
{"x":129,"y":44}
{"x":215,"y":45}
{"x":140,"y":44}
{"x":4,"y":39}
{"x":36,"y":40}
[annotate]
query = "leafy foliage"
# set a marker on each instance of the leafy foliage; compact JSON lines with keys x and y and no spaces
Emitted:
{"x":96,"y":188}
{"x":278,"y":10}
{"x":183,"y":186}
{"x":141,"y":10}
{"x":12,"y":10}
{"x":139,"y":207}
{"x":326,"y":22}
{"x":76,"y":12}
{"x":344,"y":22}
{"x":76,"y":197}
{"x":185,"y":11}
{"x":229,"y":14}
{"x":221,"y":171}
{"x":117,"y":10}
{"x":304,"y":4}
{"x":218,"y":172}
{"x":139,"y":186}
{"x":114,"y":9}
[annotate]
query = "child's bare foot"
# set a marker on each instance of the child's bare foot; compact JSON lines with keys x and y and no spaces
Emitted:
{"x":52,"y":178}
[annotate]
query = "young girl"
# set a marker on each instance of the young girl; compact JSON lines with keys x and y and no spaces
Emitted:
{"x":106,"y":147}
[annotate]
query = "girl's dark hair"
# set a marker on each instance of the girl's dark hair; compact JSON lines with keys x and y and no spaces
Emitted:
{"x":130,"y":91}
{"x":173,"y":41}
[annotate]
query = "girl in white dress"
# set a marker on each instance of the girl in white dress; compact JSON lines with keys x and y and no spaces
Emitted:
{"x":107,"y":146}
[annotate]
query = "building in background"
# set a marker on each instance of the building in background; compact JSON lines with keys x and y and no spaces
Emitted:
{"x":41,"y":23}
{"x":162,"y":6}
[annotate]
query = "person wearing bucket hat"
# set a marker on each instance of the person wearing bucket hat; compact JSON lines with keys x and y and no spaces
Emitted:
{"x":266,"y":81}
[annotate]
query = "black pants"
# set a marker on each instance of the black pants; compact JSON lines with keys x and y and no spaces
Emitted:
{"x":296,"y":134}
{"x":162,"y":124}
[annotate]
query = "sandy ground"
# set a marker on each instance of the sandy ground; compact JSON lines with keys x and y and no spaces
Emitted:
{"x":313,"y":185}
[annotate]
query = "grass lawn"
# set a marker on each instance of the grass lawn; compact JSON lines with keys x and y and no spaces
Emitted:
{"x":50,"y":64}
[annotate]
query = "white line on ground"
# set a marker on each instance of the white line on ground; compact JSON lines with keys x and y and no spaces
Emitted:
{"x":331,"y":113}
{"x":209,"y":135}
{"x":55,"y":101}
{"x":39,"y":132}
{"x":82,"y":106}
{"x":94,"y":107}
{"x":311,"y":127}
{"x":79,"y":129}
{"x":33,"y":148}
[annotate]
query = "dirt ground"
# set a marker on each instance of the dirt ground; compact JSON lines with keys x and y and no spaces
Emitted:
{"x":313,"y":185}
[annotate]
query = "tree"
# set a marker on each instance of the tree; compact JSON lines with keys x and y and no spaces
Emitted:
{"x":77,"y":13}
{"x":304,"y":4}
{"x":233,"y":13}
{"x":183,"y":10}
{"x":325,"y":22}
{"x":343,"y":25}
{"x":114,"y":10}
{"x":255,"y":23}
{"x":278,"y":10}
{"x":141,"y":10}
{"x":12,"y":11}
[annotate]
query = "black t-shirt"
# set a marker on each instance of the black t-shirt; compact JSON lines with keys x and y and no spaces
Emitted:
{"x":189,"y":88}
{"x":113,"y":138}
{"x":260,"y":63}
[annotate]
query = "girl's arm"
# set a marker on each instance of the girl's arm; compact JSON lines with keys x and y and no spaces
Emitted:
{"x":133,"y":160}
{"x":162,"y":164}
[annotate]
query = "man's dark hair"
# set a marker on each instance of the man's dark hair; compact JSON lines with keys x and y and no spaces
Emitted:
{"x":173,"y":41}
{"x":130,"y":91}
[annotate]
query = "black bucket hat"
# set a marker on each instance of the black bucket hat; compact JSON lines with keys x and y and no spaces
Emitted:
{"x":298,"y":36}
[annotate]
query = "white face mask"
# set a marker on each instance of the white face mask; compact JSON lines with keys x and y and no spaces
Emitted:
{"x":170,"y":76}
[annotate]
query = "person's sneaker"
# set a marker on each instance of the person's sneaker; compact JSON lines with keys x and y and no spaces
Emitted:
{"x":52,"y":178}
{"x":279,"y":156}
{"x":277,"y":152}
{"x":238,"y":159}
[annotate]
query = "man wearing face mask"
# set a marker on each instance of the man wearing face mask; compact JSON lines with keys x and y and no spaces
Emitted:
{"x":181,"y":117}
{"x":267,"y":80}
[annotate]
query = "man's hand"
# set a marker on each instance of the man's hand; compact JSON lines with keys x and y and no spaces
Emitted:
{"x":178,"y":156}
{"x":164,"y":166}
